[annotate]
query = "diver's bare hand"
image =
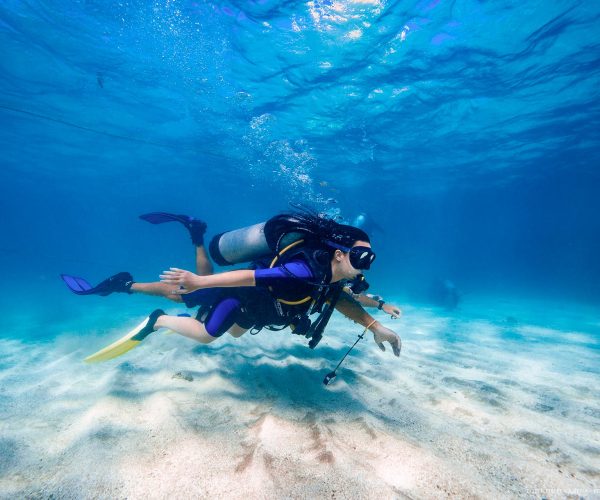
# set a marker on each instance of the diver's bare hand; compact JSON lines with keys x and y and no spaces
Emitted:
{"x":394,"y":311}
{"x":383,"y":334}
{"x":184,"y":281}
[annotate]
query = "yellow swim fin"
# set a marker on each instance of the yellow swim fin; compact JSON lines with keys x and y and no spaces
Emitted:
{"x":128,"y":342}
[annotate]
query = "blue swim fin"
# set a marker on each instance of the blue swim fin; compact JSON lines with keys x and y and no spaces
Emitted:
{"x":162,"y":217}
{"x":77,"y":285}
{"x":196,"y":227}
{"x":120,"y":282}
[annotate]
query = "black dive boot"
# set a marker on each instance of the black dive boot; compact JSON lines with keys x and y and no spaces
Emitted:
{"x":119,"y":283}
{"x":197,"y":228}
{"x":149,"y":326}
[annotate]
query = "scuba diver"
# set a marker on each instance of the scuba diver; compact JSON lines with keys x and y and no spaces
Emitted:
{"x":444,"y":293}
{"x":303,"y":264}
{"x":367,"y":223}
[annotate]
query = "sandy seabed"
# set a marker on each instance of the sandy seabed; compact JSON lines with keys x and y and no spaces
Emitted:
{"x":492,"y":405}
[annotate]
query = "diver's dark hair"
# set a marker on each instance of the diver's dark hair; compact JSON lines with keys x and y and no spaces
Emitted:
{"x":316,"y":227}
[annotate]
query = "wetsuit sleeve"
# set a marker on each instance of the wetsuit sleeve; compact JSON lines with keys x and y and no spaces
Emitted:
{"x":274,"y":275}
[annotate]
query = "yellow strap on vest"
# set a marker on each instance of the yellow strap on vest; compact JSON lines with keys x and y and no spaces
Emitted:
{"x":291,"y":245}
{"x":296,"y":302}
{"x":289,"y":302}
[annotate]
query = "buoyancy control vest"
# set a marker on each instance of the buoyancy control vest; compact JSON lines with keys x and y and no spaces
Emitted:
{"x":276,"y":242}
{"x":293,"y":306}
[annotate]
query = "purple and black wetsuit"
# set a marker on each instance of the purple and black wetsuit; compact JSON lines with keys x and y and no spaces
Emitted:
{"x":225,"y":307}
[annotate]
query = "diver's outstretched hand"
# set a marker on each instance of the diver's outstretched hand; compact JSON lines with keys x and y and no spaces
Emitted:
{"x":383,"y":334}
{"x":183,"y":281}
{"x":394,"y":311}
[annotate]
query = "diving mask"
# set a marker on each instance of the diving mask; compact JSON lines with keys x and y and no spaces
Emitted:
{"x":361,"y":257}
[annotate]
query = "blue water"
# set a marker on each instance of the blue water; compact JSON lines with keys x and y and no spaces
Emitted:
{"x":467,"y":130}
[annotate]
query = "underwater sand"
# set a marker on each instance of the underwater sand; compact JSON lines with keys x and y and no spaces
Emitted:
{"x":497,"y":400}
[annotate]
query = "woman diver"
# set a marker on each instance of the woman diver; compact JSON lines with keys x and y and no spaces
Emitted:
{"x":315,"y":260}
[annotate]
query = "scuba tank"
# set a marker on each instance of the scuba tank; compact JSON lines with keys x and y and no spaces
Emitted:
{"x":240,"y":245}
{"x":254,"y":242}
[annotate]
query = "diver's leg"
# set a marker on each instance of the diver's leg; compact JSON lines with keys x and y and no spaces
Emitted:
{"x":220,"y":319}
{"x":237,"y":331}
{"x":188,"y":327}
{"x":204,"y":266}
{"x":157,"y":289}
{"x":197,"y":228}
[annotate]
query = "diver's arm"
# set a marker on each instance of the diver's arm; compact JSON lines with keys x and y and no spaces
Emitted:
{"x":354,"y":311}
{"x":365,"y":300}
{"x":187,"y":282}
{"x":376,"y":301}
{"x":351,"y":308}
{"x":368,"y":300}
